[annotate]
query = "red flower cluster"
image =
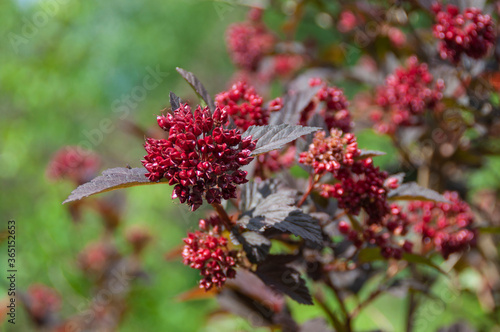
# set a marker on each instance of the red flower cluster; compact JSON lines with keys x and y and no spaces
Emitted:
{"x":200,"y":157}
{"x":472,"y":32}
{"x":249,"y":42}
{"x":327,"y":154}
{"x":334,"y":107}
{"x":285,"y":65}
{"x":361,"y":186}
{"x":138,"y":238}
{"x":245,"y":106}
{"x":73,"y":163}
{"x":274,"y":161}
{"x":444,"y":226}
{"x":386,"y":234}
{"x":41,"y":301}
{"x":406,"y":95}
{"x":209,"y":254}
{"x":96,"y":257}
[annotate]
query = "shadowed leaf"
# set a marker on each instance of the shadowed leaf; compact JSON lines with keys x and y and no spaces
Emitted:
{"x":111,"y":179}
{"x":175,"y":101}
{"x":197,"y":87}
{"x":273,"y":137}
{"x":370,"y":154}
{"x":265,"y":205}
{"x":255,"y":245}
{"x":293,"y":105}
{"x":411,"y":191}
{"x":284,"y":279}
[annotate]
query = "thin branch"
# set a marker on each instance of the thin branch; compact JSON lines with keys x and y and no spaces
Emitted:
{"x":343,"y":307}
{"x":223,"y":215}
{"x":333,"y":318}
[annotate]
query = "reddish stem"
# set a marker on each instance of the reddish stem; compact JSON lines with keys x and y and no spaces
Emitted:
{"x":223,"y":215}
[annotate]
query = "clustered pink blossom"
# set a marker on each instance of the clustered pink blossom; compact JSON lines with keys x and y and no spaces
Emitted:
{"x":274,"y":161}
{"x":200,"y":157}
{"x":406,"y":95}
{"x":248,"y":43}
{"x":41,"y":301}
{"x":471,"y":32}
{"x":285,"y":65}
{"x":327,"y":154}
{"x":444,"y":226}
{"x":208,"y":252}
{"x":96,"y":257}
{"x":387,"y":234}
{"x":331,"y":104}
{"x":73,"y":163}
{"x":245,"y":106}
{"x":360,"y":186}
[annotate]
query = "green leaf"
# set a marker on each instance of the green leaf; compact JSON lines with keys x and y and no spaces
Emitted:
{"x":417,"y":259}
{"x":489,"y":230}
{"x":371,"y":254}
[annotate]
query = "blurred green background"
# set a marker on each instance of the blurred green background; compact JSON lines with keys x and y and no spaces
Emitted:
{"x":65,"y":67}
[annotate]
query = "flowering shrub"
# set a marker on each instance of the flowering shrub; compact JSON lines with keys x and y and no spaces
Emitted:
{"x":298,"y":195}
{"x":471,"y":32}
{"x":200,"y":157}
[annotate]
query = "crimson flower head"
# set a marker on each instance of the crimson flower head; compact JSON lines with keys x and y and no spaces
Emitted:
{"x":333,"y":107}
{"x":445,"y":226}
{"x":209,"y":254}
{"x":470,"y":32}
{"x":360,"y":186}
{"x":328,"y":154}
{"x":73,"y":163}
{"x":244,"y":105}
{"x":406,"y":95}
{"x":200,"y":157}
{"x":42,"y":301}
{"x":248,"y":43}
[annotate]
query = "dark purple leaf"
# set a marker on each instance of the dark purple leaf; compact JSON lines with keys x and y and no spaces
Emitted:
{"x":255,"y":245}
{"x":197,"y":87}
{"x":273,"y":137}
{"x":175,"y":101}
{"x":411,"y":191}
{"x":276,"y":274}
{"x":370,"y":154}
{"x":111,"y":179}
{"x":264,"y":208}
{"x":293,"y":105}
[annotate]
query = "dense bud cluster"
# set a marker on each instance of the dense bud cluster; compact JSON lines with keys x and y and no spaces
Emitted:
{"x":387,"y":234}
{"x":245,"y":106}
{"x":209,"y":254}
{"x":285,"y":65}
{"x":445,"y":226}
{"x":333,"y":107}
{"x":96,"y":257}
{"x":73,"y":163}
{"x":471,"y":32}
{"x":41,"y":301}
{"x":138,"y":238}
{"x":249,"y":42}
{"x":360,"y":186}
{"x":327,"y":154}
{"x":274,"y":161}
{"x":406,"y":95}
{"x":200,"y":157}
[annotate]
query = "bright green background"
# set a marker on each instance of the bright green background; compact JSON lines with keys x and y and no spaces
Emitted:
{"x":58,"y":81}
